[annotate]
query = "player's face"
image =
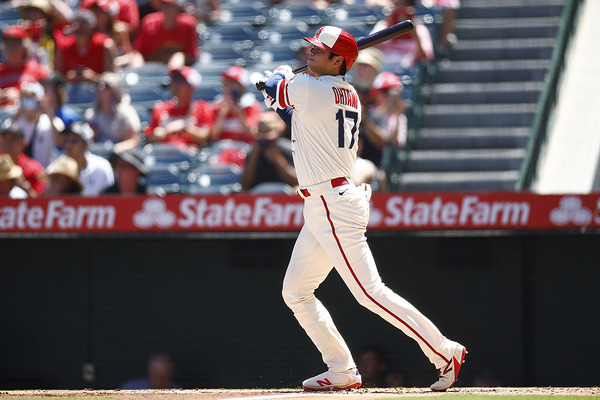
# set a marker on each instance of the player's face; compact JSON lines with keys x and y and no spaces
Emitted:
{"x":319,"y":62}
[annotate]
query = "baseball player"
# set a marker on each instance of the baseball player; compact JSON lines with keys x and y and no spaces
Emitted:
{"x":324,"y":113}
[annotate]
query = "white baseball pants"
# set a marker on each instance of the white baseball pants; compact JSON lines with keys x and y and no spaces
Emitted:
{"x":334,"y":235}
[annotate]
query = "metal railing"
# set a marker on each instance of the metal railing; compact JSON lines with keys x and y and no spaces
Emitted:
{"x":547,"y":100}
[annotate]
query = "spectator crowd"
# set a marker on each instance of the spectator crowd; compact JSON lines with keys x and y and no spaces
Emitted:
{"x":114,"y":96}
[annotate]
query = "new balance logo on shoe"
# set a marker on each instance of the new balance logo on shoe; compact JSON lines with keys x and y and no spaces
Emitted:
{"x":333,"y":381}
{"x":449,"y":374}
{"x":447,"y":369}
{"x":324,"y":382}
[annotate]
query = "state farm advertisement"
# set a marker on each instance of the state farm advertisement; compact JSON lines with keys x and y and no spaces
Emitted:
{"x":244,"y":212}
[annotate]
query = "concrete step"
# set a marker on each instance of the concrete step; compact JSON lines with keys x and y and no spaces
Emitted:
{"x":473,"y":93}
{"x":472,"y":138}
{"x":492,"y":71}
{"x":465,"y":160}
{"x":458,"y":181}
{"x":502,"y":49}
{"x":478,"y":115}
{"x":510,"y":8}
{"x":506,"y":28}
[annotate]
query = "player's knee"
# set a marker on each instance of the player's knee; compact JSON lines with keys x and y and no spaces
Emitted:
{"x":292,"y":296}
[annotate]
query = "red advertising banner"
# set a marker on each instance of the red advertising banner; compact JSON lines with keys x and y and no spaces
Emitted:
{"x":245,"y":212}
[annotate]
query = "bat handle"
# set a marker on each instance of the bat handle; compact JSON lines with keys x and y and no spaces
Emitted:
{"x":260,"y":85}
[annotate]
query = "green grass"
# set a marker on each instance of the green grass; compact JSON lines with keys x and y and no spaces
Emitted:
{"x":467,"y":396}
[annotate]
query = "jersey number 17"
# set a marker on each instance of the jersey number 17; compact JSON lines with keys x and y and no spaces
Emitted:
{"x":340,"y":116}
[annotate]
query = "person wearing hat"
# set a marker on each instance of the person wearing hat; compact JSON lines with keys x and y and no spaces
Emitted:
{"x":43,"y":19}
{"x":107,"y":14}
{"x":324,"y":113}
{"x":168,"y":36}
{"x":405,"y":51}
{"x":236,"y":112}
{"x":17,"y":66}
{"x":270,"y":159}
{"x":130,"y":173}
{"x":84,"y":55}
{"x":41,"y":131}
{"x":12,"y":142}
{"x":128,"y":13}
{"x":386,"y":123}
{"x":181,"y":120}
{"x":9,"y":177}
{"x":62,"y":177}
{"x":367,"y":66}
{"x":95,"y":172}
{"x":112,"y":119}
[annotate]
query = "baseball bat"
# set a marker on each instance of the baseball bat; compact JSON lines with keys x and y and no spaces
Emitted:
{"x":391,"y":32}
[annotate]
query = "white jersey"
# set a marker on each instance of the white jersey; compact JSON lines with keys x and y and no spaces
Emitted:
{"x":97,"y":175}
{"x":325,"y":120}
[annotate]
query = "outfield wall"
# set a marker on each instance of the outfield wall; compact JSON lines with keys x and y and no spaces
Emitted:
{"x":525,"y":305}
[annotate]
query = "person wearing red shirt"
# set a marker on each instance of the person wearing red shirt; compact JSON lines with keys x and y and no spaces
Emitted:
{"x":236,"y":113}
{"x":85,"y":54}
{"x":181,"y":120}
{"x":13,"y":144}
{"x":168,"y":33}
{"x":17,"y":68}
{"x":128,"y":12}
{"x":405,"y":51}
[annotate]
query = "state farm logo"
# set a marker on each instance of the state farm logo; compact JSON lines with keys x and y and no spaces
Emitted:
{"x":570,"y":210}
{"x":154,"y":212}
{"x":375,"y":216}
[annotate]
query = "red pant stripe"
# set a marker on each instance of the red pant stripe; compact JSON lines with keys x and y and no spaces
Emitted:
{"x":364,"y":290}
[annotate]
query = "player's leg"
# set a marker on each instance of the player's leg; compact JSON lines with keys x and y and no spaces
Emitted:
{"x":346,"y":245}
{"x":308,"y":267}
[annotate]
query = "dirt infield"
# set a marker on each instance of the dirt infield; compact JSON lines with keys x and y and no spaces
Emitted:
{"x":257,"y":394}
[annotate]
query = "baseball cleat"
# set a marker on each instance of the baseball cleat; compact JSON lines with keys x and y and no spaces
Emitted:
{"x":449,"y":374}
{"x":334,"y":381}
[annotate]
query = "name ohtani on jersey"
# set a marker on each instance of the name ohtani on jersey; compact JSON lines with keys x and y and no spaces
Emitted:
{"x":345,"y":97}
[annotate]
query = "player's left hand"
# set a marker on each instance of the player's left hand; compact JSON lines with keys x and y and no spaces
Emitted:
{"x":285,"y":70}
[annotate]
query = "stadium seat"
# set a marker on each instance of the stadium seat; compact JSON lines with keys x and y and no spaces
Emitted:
{"x":217,"y":177}
{"x":243,"y":11}
{"x":165,"y":174}
{"x":155,"y":72}
{"x":166,"y":154}
{"x":80,"y":95}
{"x":147,"y":94}
{"x":9,"y":15}
{"x":228,"y":152}
{"x":225,"y":33}
{"x":208,"y":91}
{"x":144,"y":113}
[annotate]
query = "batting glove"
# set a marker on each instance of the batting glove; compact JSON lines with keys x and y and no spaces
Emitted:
{"x":284,"y":70}
{"x":269,"y":101}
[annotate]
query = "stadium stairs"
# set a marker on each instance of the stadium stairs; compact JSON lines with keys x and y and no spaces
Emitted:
{"x":478,"y":119}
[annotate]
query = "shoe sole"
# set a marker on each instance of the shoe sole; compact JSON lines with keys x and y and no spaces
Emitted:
{"x":352,"y":386}
{"x":457,"y":365}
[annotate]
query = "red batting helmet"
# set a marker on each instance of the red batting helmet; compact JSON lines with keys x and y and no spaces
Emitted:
{"x":337,"y":41}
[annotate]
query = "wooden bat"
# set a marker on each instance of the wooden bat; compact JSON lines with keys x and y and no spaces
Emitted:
{"x":399,"y":29}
